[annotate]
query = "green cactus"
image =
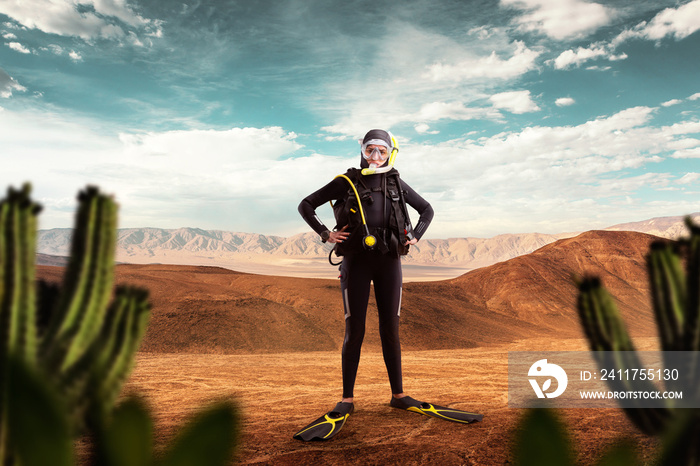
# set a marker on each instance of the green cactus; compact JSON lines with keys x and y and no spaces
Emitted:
{"x":17,"y":300}
{"x":65,"y":354}
{"x":675,"y":298}
{"x":41,"y":434}
{"x":88,"y":282}
{"x":87,"y":350}
{"x":541,"y":439}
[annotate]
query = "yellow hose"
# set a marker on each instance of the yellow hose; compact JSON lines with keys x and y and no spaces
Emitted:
{"x":357,"y":196}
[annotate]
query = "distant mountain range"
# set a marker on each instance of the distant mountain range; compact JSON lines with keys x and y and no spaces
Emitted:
{"x":304,"y":254}
{"x":216,"y":310}
{"x":665,"y":227}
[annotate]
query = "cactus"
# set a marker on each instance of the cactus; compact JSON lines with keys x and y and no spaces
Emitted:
{"x":87,"y":350}
{"x":65,"y":354}
{"x":41,"y":434}
{"x":40,"y":431}
{"x":676,"y":302}
{"x":541,"y":439}
{"x":17,"y":300}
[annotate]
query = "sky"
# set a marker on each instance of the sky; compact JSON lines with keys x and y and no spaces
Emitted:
{"x":512,"y":116}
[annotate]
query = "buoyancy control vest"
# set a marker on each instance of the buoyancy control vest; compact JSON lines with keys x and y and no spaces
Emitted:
{"x":348,"y":210}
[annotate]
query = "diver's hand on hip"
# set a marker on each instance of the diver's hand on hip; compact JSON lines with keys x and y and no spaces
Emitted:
{"x":413,"y":241}
{"x":338,"y":236}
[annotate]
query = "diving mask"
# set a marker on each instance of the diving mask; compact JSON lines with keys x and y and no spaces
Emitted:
{"x":376,"y":152}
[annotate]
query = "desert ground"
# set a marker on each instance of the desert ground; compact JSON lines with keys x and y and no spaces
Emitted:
{"x":273,"y":344}
{"x":280,"y":393}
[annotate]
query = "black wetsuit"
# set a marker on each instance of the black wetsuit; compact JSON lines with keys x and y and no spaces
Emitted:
{"x":361,"y":267}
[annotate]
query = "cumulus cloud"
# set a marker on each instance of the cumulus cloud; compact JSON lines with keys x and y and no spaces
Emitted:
{"x":492,"y":66}
{"x":671,"y":102}
{"x":9,"y":36}
{"x":580,"y":171}
{"x":678,"y":23}
{"x":17,"y":47}
{"x":211,"y":179}
{"x":564,"y":101}
{"x":251,"y":179}
{"x":575,"y":58}
{"x":449,"y":110}
{"x":62,"y":17}
{"x":481,"y":32}
{"x":561,"y":19}
{"x":356,"y":124}
{"x":58,"y":50}
{"x":211,"y":149}
{"x":433,"y":76}
{"x":690,"y":153}
{"x":622,"y":140}
{"x":423,"y":128}
{"x":55,"y":49}
{"x":514,"y":101}
{"x":9,"y":85}
{"x":688,"y":178}
{"x":695,"y":96}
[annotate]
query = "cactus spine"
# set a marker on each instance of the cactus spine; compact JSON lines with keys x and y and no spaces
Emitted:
{"x":87,"y":350}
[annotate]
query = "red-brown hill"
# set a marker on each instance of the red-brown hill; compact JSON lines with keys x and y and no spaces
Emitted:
{"x":216,"y":310}
{"x":535,"y":295}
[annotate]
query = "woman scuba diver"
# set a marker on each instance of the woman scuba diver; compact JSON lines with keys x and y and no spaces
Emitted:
{"x":372,"y":234}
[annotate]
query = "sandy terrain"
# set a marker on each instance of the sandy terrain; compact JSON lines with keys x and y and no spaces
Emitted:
{"x":273,"y":345}
{"x":280,"y":393}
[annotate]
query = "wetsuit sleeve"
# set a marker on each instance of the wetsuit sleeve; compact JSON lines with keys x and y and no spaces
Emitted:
{"x":307,"y":207}
{"x":422,"y":207}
